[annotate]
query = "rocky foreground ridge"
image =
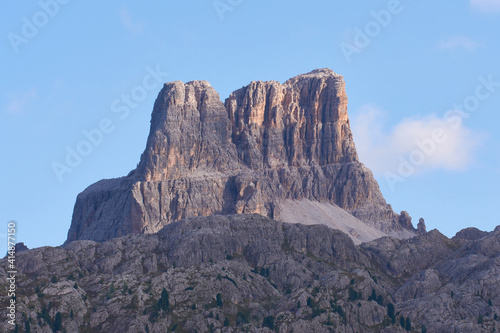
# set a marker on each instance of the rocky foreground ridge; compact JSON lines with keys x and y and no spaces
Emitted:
{"x":269,"y":148}
{"x":247,"y":273}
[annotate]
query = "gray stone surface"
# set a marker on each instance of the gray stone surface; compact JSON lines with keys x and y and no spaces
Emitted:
{"x":268,"y":143}
{"x":470,"y":234}
{"x":421,"y":228}
{"x":260,"y":268}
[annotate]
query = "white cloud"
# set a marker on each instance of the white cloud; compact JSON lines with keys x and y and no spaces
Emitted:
{"x":429,"y":142}
{"x":458,"y":42}
{"x":19,"y":101}
{"x":129,"y":23}
{"x":489,"y":6}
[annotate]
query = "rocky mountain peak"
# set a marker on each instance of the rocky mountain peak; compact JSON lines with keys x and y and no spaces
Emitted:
{"x":421,"y":228}
{"x":317,"y":73}
{"x":470,"y":234}
{"x":301,"y":122}
{"x":267,"y":147}
{"x":189,"y":132}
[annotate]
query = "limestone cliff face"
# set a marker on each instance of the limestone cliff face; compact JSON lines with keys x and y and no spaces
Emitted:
{"x":300,"y":123}
{"x":190,"y":133}
{"x":268,"y":143}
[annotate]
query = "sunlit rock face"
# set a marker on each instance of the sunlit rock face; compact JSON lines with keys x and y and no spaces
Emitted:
{"x":268,"y":143}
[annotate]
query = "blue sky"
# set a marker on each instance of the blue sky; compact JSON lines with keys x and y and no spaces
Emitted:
{"x":71,"y":67}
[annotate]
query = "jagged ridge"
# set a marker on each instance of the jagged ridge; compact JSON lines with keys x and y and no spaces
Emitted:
{"x":301,"y":276}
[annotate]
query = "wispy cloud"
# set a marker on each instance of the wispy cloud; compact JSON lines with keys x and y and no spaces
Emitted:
{"x":19,"y":102}
{"x":383,"y":149}
{"x":129,"y":23}
{"x":458,"y":42}
{"x":489,"y":6}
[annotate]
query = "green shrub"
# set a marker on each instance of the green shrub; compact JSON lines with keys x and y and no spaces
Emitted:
{"x":242,"y":317}
{"x":408,"y":324}
{"x":268,"y":322}
{"x":57,"y":322}
{"x":354,"y":295}
{"x":218,"y":300}
{"x":390,"y":312}
{"x":163,"y":302}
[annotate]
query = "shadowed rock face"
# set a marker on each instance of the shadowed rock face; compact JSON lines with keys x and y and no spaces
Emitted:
{"x":307,"y":278}
{"x":470,"y":234}
{"x":268,"y":143}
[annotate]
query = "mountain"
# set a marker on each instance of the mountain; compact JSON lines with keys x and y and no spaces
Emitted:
{"x":253,"y":215}
{"x":248,"y":273}
{"x":284,"y":151}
